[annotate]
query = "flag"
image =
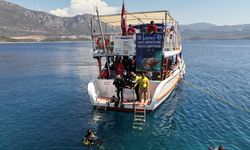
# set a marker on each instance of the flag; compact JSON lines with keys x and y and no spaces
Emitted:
{"x":123,"y":19}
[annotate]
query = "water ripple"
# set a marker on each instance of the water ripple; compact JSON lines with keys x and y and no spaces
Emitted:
{"x":44,"y":101}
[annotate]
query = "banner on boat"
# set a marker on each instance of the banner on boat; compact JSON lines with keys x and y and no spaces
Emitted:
{"x":149,"y":40}
{"x":149,"y":52}
{"x":124,"y":45}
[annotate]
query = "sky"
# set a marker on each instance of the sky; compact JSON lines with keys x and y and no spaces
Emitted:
{"x":219,"y":12}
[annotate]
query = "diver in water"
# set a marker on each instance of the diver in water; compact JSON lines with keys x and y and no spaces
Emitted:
{"x":90,"y":138}
{"x":219,"y":148}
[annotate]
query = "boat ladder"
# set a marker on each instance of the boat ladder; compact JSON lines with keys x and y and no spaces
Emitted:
{"x":139,"y":118}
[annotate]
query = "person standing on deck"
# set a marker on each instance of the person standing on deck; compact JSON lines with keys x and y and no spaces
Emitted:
{"x":136,"y":81}
{"x":119,"y":67}
{"x":152,"y":28}
{"x":132,"y":65}
{"x":144,"y":84}
{"x":131,"y":30}
{"x":119,"y":84}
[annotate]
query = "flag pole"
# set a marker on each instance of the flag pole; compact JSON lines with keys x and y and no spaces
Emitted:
{"x":123,"y":19}
{"x":103,"y":40}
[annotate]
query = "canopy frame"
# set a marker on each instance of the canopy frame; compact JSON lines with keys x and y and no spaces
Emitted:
{"x":136,"y":18}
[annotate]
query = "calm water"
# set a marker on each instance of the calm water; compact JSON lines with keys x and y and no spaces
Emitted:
{"x":44,"y":102}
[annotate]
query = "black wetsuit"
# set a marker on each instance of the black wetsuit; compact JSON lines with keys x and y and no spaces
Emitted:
{"x":119,"y":84}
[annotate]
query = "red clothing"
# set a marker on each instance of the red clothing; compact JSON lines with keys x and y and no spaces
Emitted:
{"x":119,"y":69}
{"x":152,"y":28}
{"x":131,"y":30}
{"x":104,"y":74}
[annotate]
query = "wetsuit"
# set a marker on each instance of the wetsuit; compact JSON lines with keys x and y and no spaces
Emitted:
{"x":119,"y":84}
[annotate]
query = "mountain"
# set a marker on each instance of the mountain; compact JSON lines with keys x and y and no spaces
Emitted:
{"x":18,"y":23}
{"x":197,"y":26}
{"x":208,"y":31}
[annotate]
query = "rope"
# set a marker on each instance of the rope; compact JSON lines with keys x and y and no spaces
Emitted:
{"x":222,"y":99}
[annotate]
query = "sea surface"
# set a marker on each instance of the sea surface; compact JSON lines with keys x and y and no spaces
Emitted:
{"x":44,"y":102}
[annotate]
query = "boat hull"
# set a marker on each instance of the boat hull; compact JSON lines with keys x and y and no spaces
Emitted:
{"x":102,"y":90}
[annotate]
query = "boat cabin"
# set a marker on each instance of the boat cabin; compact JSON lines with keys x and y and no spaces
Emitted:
{"x":112,"y":47}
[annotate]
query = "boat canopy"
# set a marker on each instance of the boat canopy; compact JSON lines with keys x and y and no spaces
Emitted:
{"x":139,"y":18}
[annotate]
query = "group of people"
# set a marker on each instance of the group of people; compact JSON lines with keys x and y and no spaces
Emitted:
{"x":139,"y":82}
{"x":141,"y":85}
{"x":125,"y":69}
{"x":151,"y":28}
{"x":120,"y":65}
{"x":123,"y":65}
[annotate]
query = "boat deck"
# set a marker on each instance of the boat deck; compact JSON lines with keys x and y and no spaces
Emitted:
{"x":127,"y":105}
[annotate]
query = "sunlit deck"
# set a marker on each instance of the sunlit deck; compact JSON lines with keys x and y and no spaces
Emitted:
{"x":127,"y":105}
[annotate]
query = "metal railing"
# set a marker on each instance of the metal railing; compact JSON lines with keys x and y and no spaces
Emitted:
{"x":172,"y":41}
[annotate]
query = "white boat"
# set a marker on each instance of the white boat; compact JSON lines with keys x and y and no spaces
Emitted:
{"x":164,"y":46}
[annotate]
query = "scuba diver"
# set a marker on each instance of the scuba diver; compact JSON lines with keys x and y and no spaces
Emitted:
{"x":91,"y":139}
{"x":90,"y":136}
{"x":219,"y":148}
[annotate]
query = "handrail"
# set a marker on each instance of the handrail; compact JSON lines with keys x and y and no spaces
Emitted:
{"x":134,"y":101}
{"x":172,"y":42}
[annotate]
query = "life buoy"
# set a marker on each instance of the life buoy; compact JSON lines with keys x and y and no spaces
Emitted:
{"x":100,"y":44}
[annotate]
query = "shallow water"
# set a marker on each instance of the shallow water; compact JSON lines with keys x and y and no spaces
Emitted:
{"x":45,"y":105}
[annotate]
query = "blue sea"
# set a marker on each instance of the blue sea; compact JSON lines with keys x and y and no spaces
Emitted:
{"x":44,"y":102}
